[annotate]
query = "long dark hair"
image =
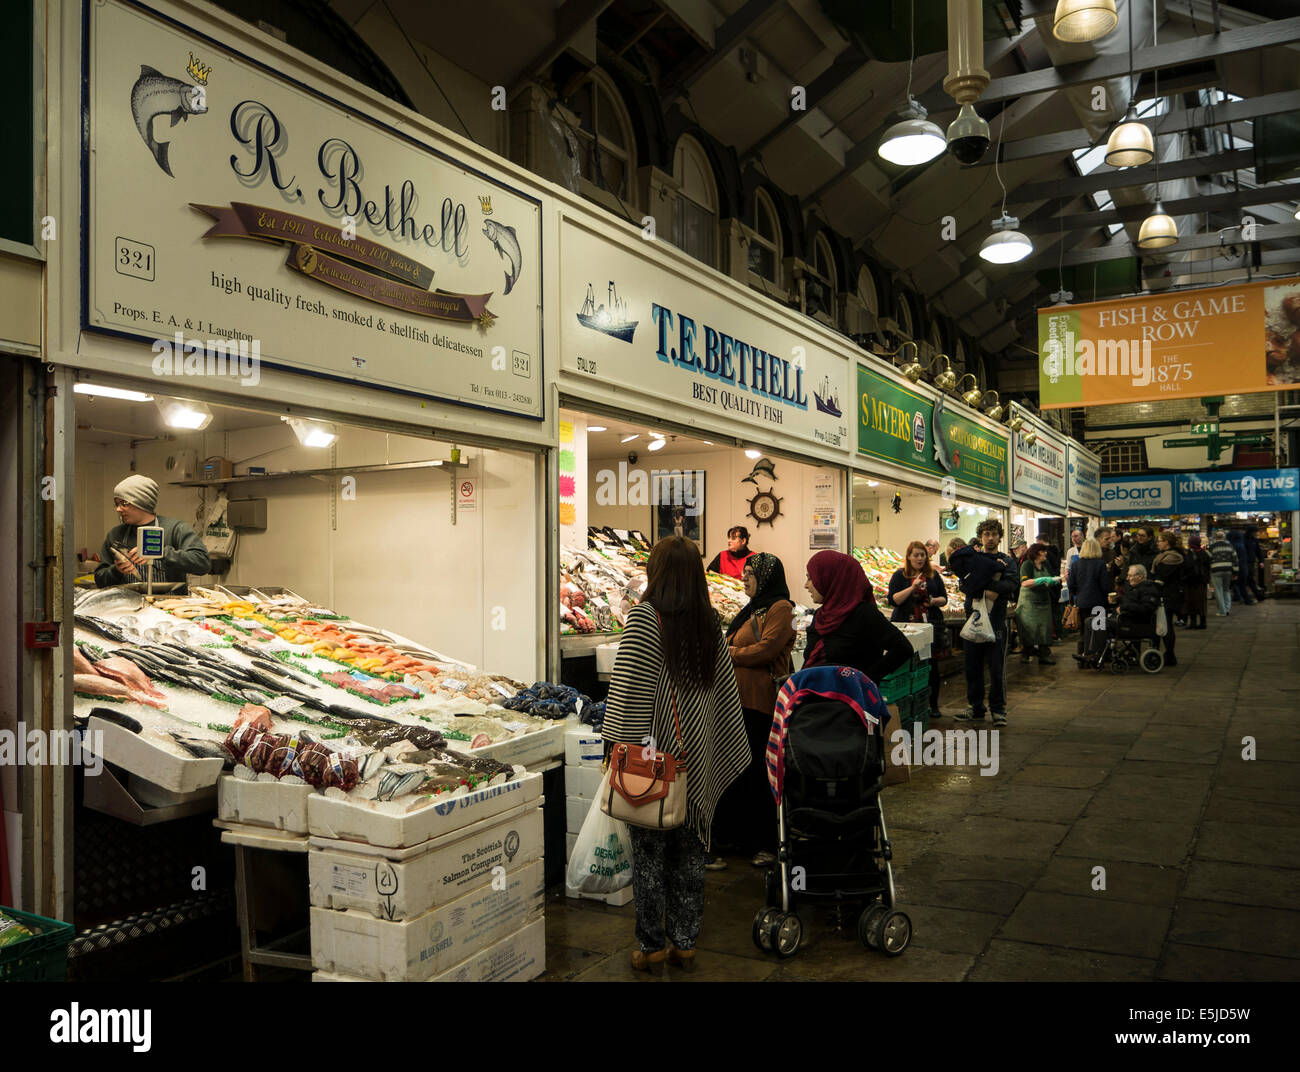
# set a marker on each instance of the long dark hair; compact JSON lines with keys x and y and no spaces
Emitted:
{"x":688,"y":623}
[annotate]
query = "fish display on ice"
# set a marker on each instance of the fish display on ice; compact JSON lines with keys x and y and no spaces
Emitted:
{"x":112,"y":601}
{"x":129,"y":674}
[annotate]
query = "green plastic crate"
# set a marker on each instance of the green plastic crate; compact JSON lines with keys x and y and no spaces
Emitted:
{"x":42,"y":958}
{"x":921,"y":678}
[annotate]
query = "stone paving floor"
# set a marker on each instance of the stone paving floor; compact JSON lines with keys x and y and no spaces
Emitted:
{"x":1140,"y":774}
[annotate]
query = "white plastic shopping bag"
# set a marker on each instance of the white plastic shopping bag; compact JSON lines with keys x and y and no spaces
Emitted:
{"x":1162,"y":621}
{"x":979,"y":627}
{"x":602,"y":855}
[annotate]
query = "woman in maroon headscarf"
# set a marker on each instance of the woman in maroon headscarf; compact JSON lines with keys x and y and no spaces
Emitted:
{"x":848,"y":628}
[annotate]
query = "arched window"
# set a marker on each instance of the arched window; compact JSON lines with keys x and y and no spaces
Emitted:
{"x":936,"y":338}
{"x":606,"y":147}
{"x":867,"y":291}
{"x":903,"y":314}
{"x":695,"y":223}
{"x":821,"y":290}
{"x":959,"y":358}
{"x":765,"y":240}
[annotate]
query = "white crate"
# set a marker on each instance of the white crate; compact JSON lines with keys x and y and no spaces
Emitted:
{"x":516,"y":958}
{"x":355,"y":943}
{"x":584,"y":747}
{"x":606,"y":656}
{"x":617,"y":899}
{"x":410,"y":885}
{"x":582,"y":782}
{"x":575,"y":813}
{"x":135,"y":753}
{"x":527,"y":749}
{"x":413,"y":820}
{"x":279,"y":805}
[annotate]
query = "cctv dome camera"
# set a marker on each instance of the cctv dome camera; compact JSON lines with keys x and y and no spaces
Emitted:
{"x":968,"y":136}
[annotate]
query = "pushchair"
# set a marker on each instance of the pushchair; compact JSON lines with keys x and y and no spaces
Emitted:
{"x":827,"y":755}
{"x":1126,"y":647}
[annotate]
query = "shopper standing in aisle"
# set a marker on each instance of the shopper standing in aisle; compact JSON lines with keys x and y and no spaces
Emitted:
{"x":760,"y":640}
{"x":731,"y":561}
{"x":1090,"y":583}
{"x":1238,"y":542}
{"x":1250,"y":567}
{"x":918,"y":594}
{"x":1223,"y":571}
{"x":1039,"y":587}
{"x":1196,"y":575}
{"x":932,"y":549}
{"x":135,"y":499}
{"x":1143,"y":551}
{"x":672,"y":665}
{"x":1167,"y":571}
{"x":848,"y":628}
{"x":986,"y":571}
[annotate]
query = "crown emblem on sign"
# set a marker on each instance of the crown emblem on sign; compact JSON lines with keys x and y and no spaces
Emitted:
{"x":197,"y":71}
{"x":486,"y":203}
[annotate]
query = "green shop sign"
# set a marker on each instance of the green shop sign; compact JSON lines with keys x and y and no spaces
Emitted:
{"x":904,"y":427}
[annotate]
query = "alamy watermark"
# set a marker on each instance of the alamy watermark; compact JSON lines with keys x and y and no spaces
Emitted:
{"x":946,"y":748}
{"x":23,"y":747}
{"x":239,"y":358}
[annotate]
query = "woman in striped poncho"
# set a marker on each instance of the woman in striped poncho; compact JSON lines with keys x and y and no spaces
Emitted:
{"x":673,"y":652}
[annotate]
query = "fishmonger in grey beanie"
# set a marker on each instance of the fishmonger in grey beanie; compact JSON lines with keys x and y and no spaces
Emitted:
{"x":139,"y":491}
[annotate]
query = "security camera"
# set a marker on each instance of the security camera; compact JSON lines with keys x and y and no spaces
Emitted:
{"x":968,"y":136}
{"x":631,"y":457}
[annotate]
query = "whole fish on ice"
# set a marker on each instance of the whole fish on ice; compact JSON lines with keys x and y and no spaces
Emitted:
{"x":129,"y":674}
{"x":506,"y":244}
{"x":155,"y":94}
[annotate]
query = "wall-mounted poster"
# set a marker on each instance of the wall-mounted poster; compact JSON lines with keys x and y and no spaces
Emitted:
{"x":677,"y":498}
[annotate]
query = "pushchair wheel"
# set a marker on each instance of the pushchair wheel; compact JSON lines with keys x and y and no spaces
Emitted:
{"x":893,"y":932}
{"x":1153,"y":660}
{"x":871,"y":916}
{"x":763,"y":927}
{"x":785,"y":933}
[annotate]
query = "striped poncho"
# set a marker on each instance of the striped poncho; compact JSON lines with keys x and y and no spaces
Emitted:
{"x":640,"y":705}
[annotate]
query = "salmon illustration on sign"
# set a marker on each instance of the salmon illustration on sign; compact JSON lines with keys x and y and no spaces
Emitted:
{"x":506,"y":243}
{"x":155,"y":94}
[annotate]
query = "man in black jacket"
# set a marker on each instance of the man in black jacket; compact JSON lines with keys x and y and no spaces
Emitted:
{"x":993,"y":574}
{"x":1138,"y":604}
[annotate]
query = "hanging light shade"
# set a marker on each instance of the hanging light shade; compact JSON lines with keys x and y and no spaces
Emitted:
{"x":1084,"y":20}
{"x":914,"y":139}
{"x":1158,"y":230}
{"x":1130,"y":143}
{"x":1006,"y":244}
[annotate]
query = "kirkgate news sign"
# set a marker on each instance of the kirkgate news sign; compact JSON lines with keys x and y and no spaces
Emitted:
{"x":1253,"y":491}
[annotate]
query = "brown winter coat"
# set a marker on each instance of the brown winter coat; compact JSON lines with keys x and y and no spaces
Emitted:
{"x":759,"y":648}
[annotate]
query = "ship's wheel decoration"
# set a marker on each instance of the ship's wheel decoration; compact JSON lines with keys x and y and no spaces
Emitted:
{"x":765,"y":508}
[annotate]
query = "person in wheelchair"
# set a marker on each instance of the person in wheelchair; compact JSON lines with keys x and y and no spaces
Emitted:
{"x":1133,"y":620}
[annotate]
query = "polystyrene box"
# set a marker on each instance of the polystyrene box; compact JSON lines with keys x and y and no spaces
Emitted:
{"x":280,"y":805}
{"x":582,"y":782}
{"x":416,"y":881}
{"x":413,"y":820}
{"x":584,"y":748}
{"x":516,"y":958}
{"x":355,"y":943}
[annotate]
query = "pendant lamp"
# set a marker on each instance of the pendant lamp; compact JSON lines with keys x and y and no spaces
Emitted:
{"x":1078,"y":21}
{"x":1158,"y":230}
{"x":1006,"y":244}
{"x":913,"y":139}
{"x":1130,"y":143}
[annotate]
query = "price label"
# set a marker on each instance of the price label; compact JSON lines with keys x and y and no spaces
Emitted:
{"x":451,"y":684}
{"x":502,"y":689}
{"x":282,"y":705}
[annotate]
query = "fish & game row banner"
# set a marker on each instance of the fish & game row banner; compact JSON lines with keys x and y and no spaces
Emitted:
{"x":904,"y":427}
{"x":230,"y":207}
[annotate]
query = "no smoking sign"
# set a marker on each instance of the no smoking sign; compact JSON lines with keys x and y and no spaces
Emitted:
{"x":467,"y":495}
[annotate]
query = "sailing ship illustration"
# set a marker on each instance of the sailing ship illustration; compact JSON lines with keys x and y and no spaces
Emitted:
{"x":610,"y":318}
{"x":828,"y":398}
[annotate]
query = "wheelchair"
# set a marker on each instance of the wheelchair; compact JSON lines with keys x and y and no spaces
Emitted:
{"x":1126,"y":648}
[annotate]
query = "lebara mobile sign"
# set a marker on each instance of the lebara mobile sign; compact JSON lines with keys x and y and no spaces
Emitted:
{"x":905,"y":427}
{"x":1191,"y":344}
{"x":228,"y":207}
{"x":1254,"y":491}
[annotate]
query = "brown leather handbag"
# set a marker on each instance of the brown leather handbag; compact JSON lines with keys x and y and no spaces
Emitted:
{"x":644,"y":787}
